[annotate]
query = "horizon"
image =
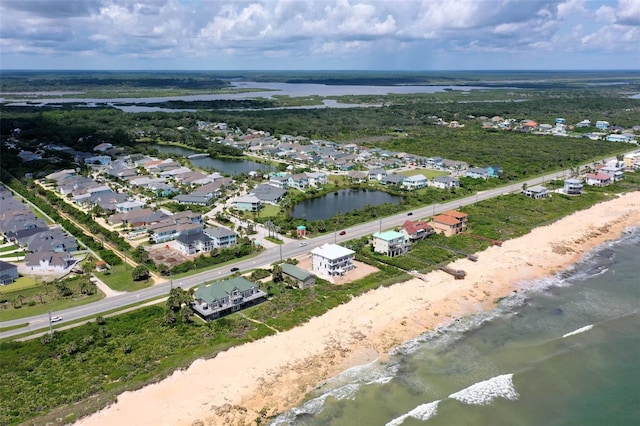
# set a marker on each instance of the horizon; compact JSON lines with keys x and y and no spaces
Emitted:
{"x":283,"y":35}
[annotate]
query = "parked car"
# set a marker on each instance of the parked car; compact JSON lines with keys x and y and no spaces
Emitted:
{"x":56,"y":319}
{"x":343,"y":232}
{"x":302,"y":244}
{"x":234,"y":269}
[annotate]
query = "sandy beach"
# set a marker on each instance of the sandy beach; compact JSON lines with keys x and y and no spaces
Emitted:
{"x":275,"y":373}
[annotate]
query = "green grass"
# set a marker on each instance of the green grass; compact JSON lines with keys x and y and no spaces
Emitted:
{"x":13,"y":327}
{"x":269,"y":210}
{"x":8,"y":248}
{"x":20,"y":284}
{"x":119,"y":279}
{"x":428,"y":173}
{"x":49,"y":305}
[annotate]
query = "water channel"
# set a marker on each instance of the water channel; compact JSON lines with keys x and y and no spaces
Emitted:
{"x":224,"y":166}
{"x":344,"y":200}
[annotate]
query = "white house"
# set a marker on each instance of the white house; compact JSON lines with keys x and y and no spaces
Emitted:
{"x":332,"y":259}
{"x":317,"y":178}
{"x":415,"y":181}
{"x":536,"y":192}
{"x":129,"y":206}
{"x":445,"y":182}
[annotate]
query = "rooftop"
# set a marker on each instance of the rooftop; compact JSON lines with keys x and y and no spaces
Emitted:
{"x":332,"y":251}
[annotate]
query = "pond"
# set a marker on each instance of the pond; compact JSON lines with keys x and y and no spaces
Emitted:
{"x":224,"y":166}
{"x":345,"y":200}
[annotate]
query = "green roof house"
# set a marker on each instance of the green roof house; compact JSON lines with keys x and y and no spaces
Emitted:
{"x":220,"y":298}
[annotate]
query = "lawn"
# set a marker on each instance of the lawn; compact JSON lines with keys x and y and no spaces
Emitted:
{"x":269,"y":210}
{"x":428,"y":173}
{"x":22,"y":283}
{"x":8,"y":248}
{"x":119,"y":278}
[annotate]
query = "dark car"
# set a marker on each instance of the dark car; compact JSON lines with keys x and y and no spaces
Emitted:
{"x":343,"y":232}
{"x":410,"y":214}
{"x":234,"y":269}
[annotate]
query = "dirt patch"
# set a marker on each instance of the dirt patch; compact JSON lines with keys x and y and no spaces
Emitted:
{"x":167,"y":255}
{"x":361,"y":270}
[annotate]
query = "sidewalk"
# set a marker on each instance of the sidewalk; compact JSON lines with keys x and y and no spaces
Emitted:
{"x":108,"y":292}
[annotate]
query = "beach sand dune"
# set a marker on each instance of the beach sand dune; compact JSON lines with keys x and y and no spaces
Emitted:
{"x":275,"y":373}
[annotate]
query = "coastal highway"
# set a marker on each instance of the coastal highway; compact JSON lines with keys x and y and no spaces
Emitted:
{"x":292,"y":249}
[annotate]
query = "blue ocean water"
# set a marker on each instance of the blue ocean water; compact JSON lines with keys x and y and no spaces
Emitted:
{"x":565,"y":352}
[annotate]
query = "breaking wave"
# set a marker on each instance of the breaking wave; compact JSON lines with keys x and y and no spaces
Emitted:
{"x":482,"y":393}
{"x":421,"y":412}
{"x":578,"y":331}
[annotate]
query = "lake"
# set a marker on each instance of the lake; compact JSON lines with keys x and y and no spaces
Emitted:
{"x":343,"y":201}
{"x":225,"y":166}
{"x":270,"y":89}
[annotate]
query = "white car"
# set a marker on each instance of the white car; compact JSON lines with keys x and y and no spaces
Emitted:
{"x":302,"y":244}
{"x":56,"y":319}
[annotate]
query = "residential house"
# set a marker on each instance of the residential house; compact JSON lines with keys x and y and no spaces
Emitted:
{"x":477,"y":173}
{"x":614,"y":172}
{"x":8,"y":273}
{"x":602,"y":125}
{"x":279,"y":180}
{"x":450,"y":222}
{"x":48,"y":261}
{"x":224,"y":297}
{"x":221,"y":237}
{"x":390,"y":243}
{"x":103,"y":147}
{"x":625,"y":137}
{"x":298,"y":181}
{"x":377,"y":173}
{"x":129,"y":206}
{"x":268,"y":194}
{"x":332,"y":260}
{"x":199,"y":200}
{"x":393,"y":179}
{"x":247,"y":203}
{"x":494,"y":171}
{"x":169,"y":229}
{"x":536,"y":192}
{"x":317,"y":178}
{"x":48,"y":239}
{"x":415,"y":181}
{"x":303,"y":279}
{"x":417,"y":230}
{"x":573,"y":186}
{"x":632,"y":161}
{"x":136,"y":218}
{"x":194,"y":243}
{"x":584,"y":123}
{"x":598,"y":179}
{"x":356,"y":176}
{"x":445,"y":182}
{"x":99,"y":160}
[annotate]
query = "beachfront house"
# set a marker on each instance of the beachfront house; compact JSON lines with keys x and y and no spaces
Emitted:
{"x":536,"y":192}
{"x":417,"y":230}
{"x":301,"y":277}
{"x":597,"y":179}
{"x":221,"y":298}
{"x":332,"y":260}
{"x":573,"y":186}
{"x":450,"y":222}
{"x":390,"y":243}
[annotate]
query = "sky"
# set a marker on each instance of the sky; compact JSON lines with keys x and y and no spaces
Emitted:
{"x":319,"y":35}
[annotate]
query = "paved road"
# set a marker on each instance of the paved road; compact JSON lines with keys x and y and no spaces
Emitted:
{"x":291,"y":249}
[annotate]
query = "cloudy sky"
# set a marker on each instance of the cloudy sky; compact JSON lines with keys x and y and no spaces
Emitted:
{"x":323,"y":34}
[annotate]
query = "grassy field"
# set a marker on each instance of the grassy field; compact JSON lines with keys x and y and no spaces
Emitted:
{"x":428,"y":173}
{"x":119,"y":278}
{"x":269,"y":210}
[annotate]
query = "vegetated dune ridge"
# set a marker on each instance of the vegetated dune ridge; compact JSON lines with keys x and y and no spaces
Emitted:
{"x":276,"y":372}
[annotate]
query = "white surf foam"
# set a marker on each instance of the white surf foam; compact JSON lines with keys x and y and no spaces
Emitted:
{"x":315,"y":406}
{"x":421,"y":412}
{"x":578,"y":331}
{"x":482,"y":393}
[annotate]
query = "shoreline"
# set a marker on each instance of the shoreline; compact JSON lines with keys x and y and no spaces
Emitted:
{"x":276,"y":373}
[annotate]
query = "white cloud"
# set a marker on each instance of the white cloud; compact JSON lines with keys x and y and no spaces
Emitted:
{"x":194,"y":30}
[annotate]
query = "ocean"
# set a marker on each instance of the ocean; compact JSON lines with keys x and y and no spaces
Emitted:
{"x":564,"y":352}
